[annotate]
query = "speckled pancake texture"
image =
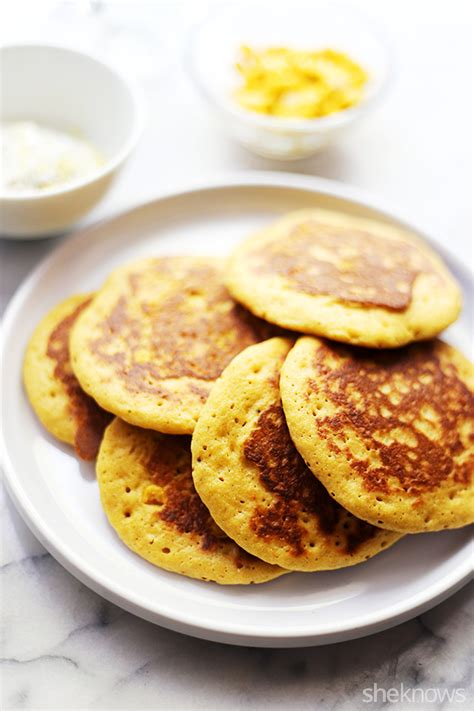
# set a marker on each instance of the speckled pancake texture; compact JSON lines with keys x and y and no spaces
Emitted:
{"x":257,"y":487}
{"x":54,"y":392}
{"x":390,"y":434}
{"x":350,"y":279}
{"x":148,"y":495}
{"x":156,"y":337}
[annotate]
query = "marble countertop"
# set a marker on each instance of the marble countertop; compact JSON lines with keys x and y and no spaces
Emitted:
{"x":63,"y":646}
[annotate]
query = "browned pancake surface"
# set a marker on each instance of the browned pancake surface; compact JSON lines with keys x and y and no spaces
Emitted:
{"x":54,"y":392}
{"x":350,"y":279}
{"x":148,"y":495}
{"x":405,"y":407}
{"x":389,"y":433}
{"x":157,"y":336}
{"x":295,"y":492}
{"x":347,"y":263}
{"x":256,"y":485}
{"x":90,"y":419}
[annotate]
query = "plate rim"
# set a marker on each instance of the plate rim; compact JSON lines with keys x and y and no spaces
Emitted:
{"x":174,"y":619}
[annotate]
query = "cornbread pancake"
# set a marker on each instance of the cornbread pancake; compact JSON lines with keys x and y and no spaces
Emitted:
{"x":155,"y":338}
{"x":257,"y":487}
{"x":53,"y":390}
{"x":390,"y":434}
{"x":148,"y":495}
{"x":353,"y":280}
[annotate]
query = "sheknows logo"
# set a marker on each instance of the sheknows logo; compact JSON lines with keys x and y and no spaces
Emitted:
{"x":408,"y":694}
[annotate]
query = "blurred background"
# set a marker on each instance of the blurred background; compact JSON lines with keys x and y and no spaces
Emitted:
{"x":413,"y":149}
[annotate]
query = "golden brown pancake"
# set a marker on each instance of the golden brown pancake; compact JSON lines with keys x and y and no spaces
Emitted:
{"x":156,"y":337}
{"x":353,"y":280}
{"x":148,"y":495}
{"x":53,"y":390}
{"x":390,"y":434}
{"x":257,"y":487}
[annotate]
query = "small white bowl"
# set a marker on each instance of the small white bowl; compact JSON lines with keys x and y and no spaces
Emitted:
{"x":213,"y":50}
{"x":66,"y":90}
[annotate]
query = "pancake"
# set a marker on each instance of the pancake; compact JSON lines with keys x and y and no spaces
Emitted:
{"x":54,"y":392}
{"x":390,"y":434}
{"x":156,"y":337}
{"x":350,"y":279}
{"x":255,"y":484}
{"x":147,"y":493}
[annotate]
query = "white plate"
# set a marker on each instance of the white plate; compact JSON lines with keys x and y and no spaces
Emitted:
{"x":58,"y":496}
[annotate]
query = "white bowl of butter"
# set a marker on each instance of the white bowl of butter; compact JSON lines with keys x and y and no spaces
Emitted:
{"x":68,"y":123}
{"x":267,"y":39}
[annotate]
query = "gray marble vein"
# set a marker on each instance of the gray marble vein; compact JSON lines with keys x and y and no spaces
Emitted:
{"x":62,"y":646}
{"x":66,"y":648}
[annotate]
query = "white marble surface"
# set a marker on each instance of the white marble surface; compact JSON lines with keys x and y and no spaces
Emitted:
{"x":63,"y":647}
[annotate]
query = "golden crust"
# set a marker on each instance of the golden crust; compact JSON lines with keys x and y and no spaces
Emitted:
{"x":258,"y":489}
{"x":148,"y":496}
{"x":155,"y":338}
{"x":389,"y":434}
{"x":48,"y":397}
{"x":297,"y":274}
{"x":55,"y":395}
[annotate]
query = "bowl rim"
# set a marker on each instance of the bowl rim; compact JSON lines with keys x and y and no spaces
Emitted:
{"x":282,"y":123}
{"x":137,"y":101}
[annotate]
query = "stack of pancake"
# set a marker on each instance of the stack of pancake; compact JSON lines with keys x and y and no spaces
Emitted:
{"x":232,"y":448}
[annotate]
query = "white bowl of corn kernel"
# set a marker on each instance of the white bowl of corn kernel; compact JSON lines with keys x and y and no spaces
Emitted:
{"x":287,"y":78}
